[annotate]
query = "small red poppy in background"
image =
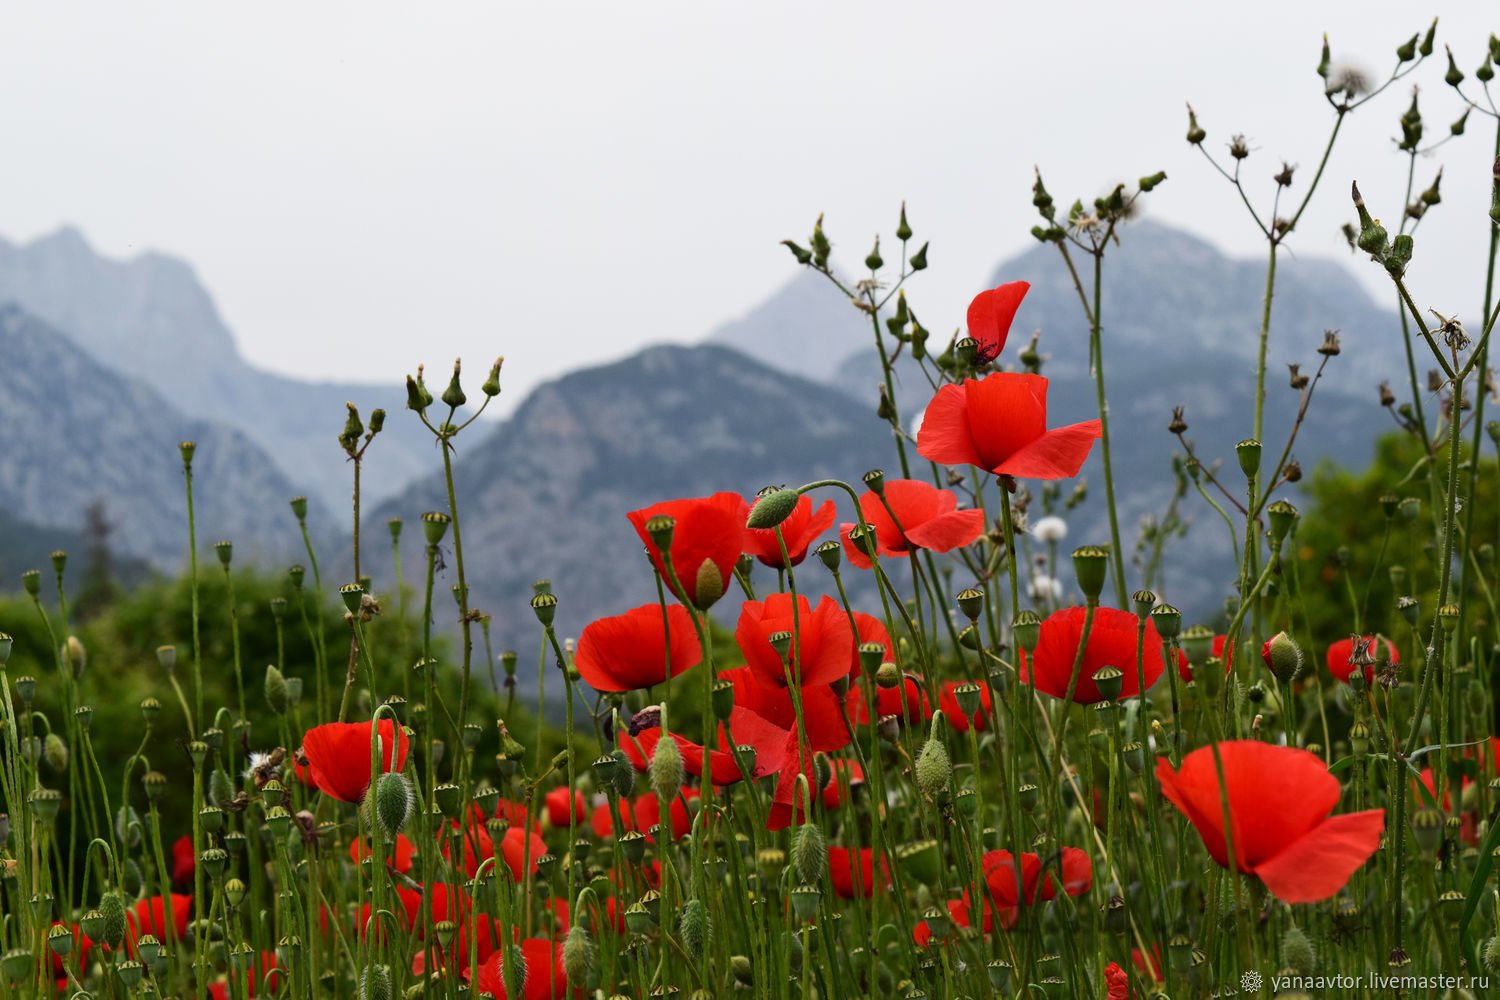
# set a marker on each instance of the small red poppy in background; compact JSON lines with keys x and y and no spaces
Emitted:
{"x":958,"y":912}
{"x":1341,"y":653}
{"x":1010,"y":884}
{"x":1111,"y":643}
{"x":990,"y":316}
{"x":928,"y":518}
{"x":556,"y":802}
{"x":1280,"y":800}
{"x":822,"y":650}
{"x":544,"y":979}
{"x":1185,"y":669}
{"x":399,"y":855}
{"x":1117,"y":980}
{"x":516,"y":814}
{"x":632,"y":651}
{"x":843,"y":770}
{"x":723,"y":768}
{"x":999,"y":424}
{"x":800,"y":529}
{"x":706,"y":542}
{"x":907,"y":701}
{"x":647,"y":811}
{"x":338,"y":756}
{"x":954,"y":714}
{"x":184,"y":863}
{"x":852,"y":872}
{"x":148,"y":916}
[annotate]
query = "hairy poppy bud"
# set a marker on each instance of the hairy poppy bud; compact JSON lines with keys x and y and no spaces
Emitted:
{"x":810,"y":853}
{"x":393,"y":803}
{"x":375,"y":983}
{"x":772,"y":507}
{"x":934,"y":768}
{"x":578,"y":955}
{"x":55,"y":752}
{"x":276,"y":691}
{"x":112,"y":915}
{"x":666,"y":769}
{"x":1283,"y":656}
{"x":696,"y":927}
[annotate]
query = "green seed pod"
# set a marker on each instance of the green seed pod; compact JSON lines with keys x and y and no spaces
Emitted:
{"x":1090,"y":566}
{"x":805,"y":900}
{"x":1248,"y":452}
{"x":1109,"y":680}
{"x":1427,"y":828}
{"x":1027,"y":630}
{"x":1282,"y":515}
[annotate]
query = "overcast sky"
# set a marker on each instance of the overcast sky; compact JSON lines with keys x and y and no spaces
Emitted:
{"x":365,"y":186}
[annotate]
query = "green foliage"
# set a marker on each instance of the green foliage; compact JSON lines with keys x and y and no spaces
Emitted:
{"x":1347,"y":545}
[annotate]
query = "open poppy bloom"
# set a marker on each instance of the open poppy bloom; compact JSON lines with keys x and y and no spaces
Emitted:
{"x":338,"y":756}
{"x":800,"y":529}
{"x":706,"y":542}
{"x":184,"y":863}
{"x":1341,"y":656}
{"x":1117,"y":981}
{"x":149,"y":916}
{"x":1111,"y":643}
{"x":990,"y":316}
{"x":999,"y":424}
{"x":822,"y":647}
{"x":1280,"y":800}
{"x":926,"y":518}
{"x":852,"y":872}
{"x":1011,"y":884}
{"x":556,"y":803}
{"x":635,"y":650}
{"x":544,"y":977}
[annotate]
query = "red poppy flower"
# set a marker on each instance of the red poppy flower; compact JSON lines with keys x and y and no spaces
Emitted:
{"x":184,"y":863}
{"x":631,"y":651}
{"x":1118,"y":982}
{"x":999,"y":423}
{"x":1280,"y":799}
{"x":1112,"y":642}
{"x":958,"y":912}
{"x":907,"y":701}
{"x":148,"y":916}
{"x":444,"y":905}
{"x":723,"y":768}
{"x":852,"y":872}
{"x":1185,"y":669}
{"x":928,"y":518}
{"x":773,"y":703}
{"x":868,"y":628}
{"x":338,"y":756}
{"x":602,"y":821}
{"x":516,"y":814}
{"x":400,"y":855}
{"x":990,"y":316}
{"x":556,"y":802}
{"x":842,"y":770}
{"x":787,"y":753}
{"x":545,"y":978}
{"x":706,"y":542}
{"x":647,"y":812}
{"x":1072,"y":867}
{"x":822,"y":650}
{"x":263,"y":966}
{"x":954,"y":715}
{"x":1339,"y":655}
{"x":800,"y":529}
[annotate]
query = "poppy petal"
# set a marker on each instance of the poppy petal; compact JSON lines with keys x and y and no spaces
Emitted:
{"x":992,"y":312}
{"x":948,"y":531}
{"x":1057,"y":454}
{"x":944,"y":435}
{"x":1318,"y":865}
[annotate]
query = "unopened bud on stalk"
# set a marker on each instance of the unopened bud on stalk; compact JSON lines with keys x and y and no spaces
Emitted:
{"x":375,"y":983}
{"x":394,"y":801}
{"x":666,"y":769}
{"x":1454,"y":76}
{"x":918,"y":260}
{"x":772,"y":507}
{"x":453,"y":396}
{"x":934,"y":768}
{"x":1148,"y":183}
{"x":1195,"y":134}
{"x":55,"y":752}
{"x":276,"y":691}
{"x":810,"y":853}
{"x":1283,"y":656}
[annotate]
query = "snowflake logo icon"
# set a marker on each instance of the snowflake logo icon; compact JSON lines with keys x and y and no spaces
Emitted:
{"x":1251,"y":982}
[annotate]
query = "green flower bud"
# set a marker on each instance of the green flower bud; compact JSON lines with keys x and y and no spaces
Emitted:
{"x":375,"y":983}
{"x":810,"y":853}
{"x":695,"y":926}
{"x":394,"y":801}
{"x":55,"y":752}
{"x":666,"y":770}
{"x":772,"y":507}
{"x":934,"y":768}
{"x":918,"y":261}
{"x":491,"y":387}
{"x":579,"y":958}
{"x":276,"y":693}
{"x":1285,"y":657}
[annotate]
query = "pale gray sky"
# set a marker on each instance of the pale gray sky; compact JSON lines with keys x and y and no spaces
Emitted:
{"x":364,"y":186}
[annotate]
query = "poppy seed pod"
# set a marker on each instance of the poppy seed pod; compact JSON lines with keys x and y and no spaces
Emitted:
{"x":1110,"y":681}
{"x":351,"y":593}
{"x":1198,"y":643}
{"x":772,"y":507}
{"x":1281,"y":515}
{"x":1090,"y":566}
{"x":829,"y":553}
{"x":1143,"y":601}
{"x":545,"y":607}
{"x":1027,"y":630}
{"x":32,"y":581}
{"x":970,"y":602}
{"x":1248,"y":452}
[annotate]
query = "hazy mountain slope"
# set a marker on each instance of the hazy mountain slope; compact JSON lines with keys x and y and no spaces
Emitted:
{"x":75,"y":431}
{"x":546,"y":493}
{"x":149,"y":317}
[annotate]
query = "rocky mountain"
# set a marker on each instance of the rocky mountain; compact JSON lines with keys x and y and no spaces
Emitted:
{"x":545,"y":494}
{"x":150,"y":318}
{"x":806,"y":327}
{"x":77,"y":431}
